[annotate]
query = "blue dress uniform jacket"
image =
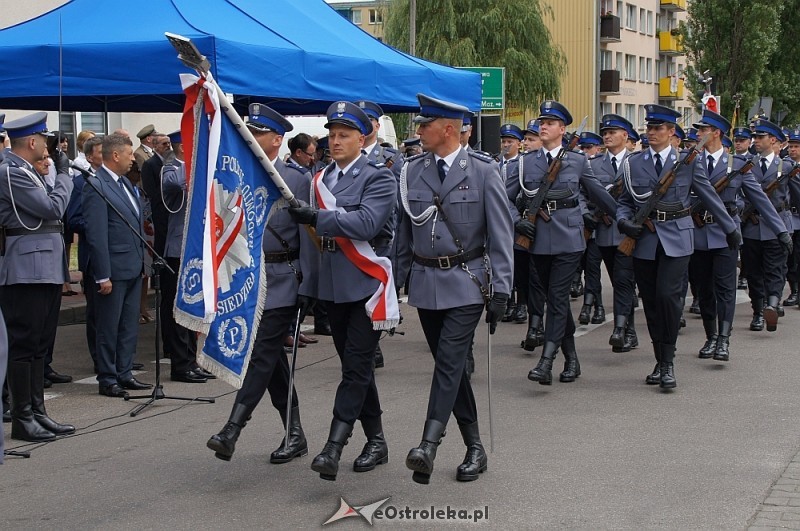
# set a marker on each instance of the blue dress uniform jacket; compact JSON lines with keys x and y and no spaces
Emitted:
{"x":794,"y":200}
{"x":779,"y":200}
{"x":173,"y":195}
{"x":368,"y":194}
{"x":474,"y":200}
{"x":564,"y":232}
{"x":35,"y":258}
{"x":676,"y":236}
{"x":607,"y":235}
{"x":283,"y":286}
{"x":114,"y":252}
{"x":711,"y":236}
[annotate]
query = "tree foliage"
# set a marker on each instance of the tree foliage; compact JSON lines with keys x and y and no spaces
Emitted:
{"x":733,"y":39}
{"x":502,"y":33}
{"x":782,"y":76}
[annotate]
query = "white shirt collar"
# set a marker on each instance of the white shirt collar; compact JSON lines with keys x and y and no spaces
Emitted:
{"x":553,"y":152}
{"x":449,"y":159}
{"x":368,"y":149}
{"x":619,"y":156}
{"x":717,"y":154}
{"x":768,"y":158}
{"x":346,"y":168}
{"x":664,"y":153}
{"x":113,"y":175}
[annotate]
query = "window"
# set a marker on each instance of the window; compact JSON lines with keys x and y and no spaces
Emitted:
{"x":619,"y":62}
{"x":375,"y":16}
{"x":641,"y":116}
{"x":618,"y":109}
{"x":605,"y":108}
{"x":642,"y":70}
{"x":630,"y":112}
{"x":605,"y":60}
{"x":630,"y":17}
{"x":619,"y":9}
{"x":649,"y":22}
{"x":630,"y":67}
{"x":96,"y":121}
{"x":607,"y":7}
{"x":642,"y":20}
{"x":356,"y":17}
{"x":649,"y":69}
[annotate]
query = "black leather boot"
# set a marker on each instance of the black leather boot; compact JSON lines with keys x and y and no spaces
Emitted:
{"x":535,"y":336}
{"x":695,"y":307}
{"x":375,"y":452}
{"x":617,"y":339}
{"x":599,"y":315}
{"x":297,"y":446}
{"x":420,"y":459}
{"x":722,"y":354}
{"x":23,"y":426}
{"x":631,"y":339}
{"x":791,"y":300}
{"x":508,"y":316}
{"x":586,"y":310}
{"x":378,"y":361}
{"x":771,"y":313}
{"x":520,"y":313}
{"x":572,"y":367}
{"x":475,"y":460}
{"x":742,"y":283}
{"x":757,"y":324}
{"x":542,"y":373}
{"x":224,"y":443}
{"x":667,"y":367}
{"x":327,"y":462}
{"x":576,"y":288}
{"x":710,"y":326}
{"x":654,"y":378}
{"x":37,"y":402}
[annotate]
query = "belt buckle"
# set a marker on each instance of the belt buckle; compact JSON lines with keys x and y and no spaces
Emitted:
{"x":708,"y":217}
{"x":552,"y":206}
{"x":329,"y":244}
{"x":444,"y":262}
{"x":794,"y":210}
{"x":661,"y":215}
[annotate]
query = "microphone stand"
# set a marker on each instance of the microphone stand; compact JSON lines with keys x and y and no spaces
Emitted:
{"x":158,"y":264}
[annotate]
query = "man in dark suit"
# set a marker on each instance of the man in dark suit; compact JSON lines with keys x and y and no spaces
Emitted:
{"x":116,"y":256}
{"x":151,"y":184}
{"x":33,"y":267}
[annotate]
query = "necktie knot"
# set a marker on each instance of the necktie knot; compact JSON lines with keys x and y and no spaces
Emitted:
{"x":549,"y":159}
{"x":440,"y":164}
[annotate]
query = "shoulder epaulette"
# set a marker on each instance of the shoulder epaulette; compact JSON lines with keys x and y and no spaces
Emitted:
{"x":415,"y":157}
{"x":481,"y":156}
{"x":740,"y":157}
{"x":598,"y":156}
{"x":296,"y":166}
{"x":377,"y":164}
{"x":636,"y":153}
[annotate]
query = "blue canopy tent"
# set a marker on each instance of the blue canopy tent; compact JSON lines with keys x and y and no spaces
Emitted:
{"x":297,"y":57}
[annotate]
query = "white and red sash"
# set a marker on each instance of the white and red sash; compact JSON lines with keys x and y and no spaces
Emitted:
{"x":382,"y":307}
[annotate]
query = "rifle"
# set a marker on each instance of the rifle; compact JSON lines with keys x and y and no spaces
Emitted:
{"x":535,"y":204}
{"x":749,"y":211}
{"x":614,"y":190}
{"x":719,"y":187}
{"x":642,"y":217}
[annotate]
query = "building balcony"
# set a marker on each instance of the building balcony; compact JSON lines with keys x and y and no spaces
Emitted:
{"x":609,"y":28}
{"x":665,"y":89}
{"x":609,"y":82}
{"x":669,"y":44}
{"x":673,"y":5}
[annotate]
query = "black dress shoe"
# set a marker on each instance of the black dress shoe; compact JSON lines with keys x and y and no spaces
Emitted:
{"x":757,"y":324}
{"x":204,"y":373}
{"x":654,"y":378}
{"x":599,"y":316}
{"x":58,"y":378}
{"x":137,"y":366}
{"x":585,"y":316}
{"x":113,"y":390}
{"x":617,"y":339}
{"x":322,"y":329}
{"x":188,"y":376}
{"x":134,"y":385}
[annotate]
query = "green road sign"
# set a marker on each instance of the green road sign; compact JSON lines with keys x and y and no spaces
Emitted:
{"x":493,"y":84}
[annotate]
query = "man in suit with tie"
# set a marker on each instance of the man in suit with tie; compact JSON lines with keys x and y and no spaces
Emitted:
{"x":459,"y":225}
{"x":33,"y":267}
{"x":616,"y":131}
{"x":116,"y":256}
{"x":557,"y":244}
{"x":354,"y":202}
{"x":661,"y":256}
{"x":713,"y":264}
{"x":763,"y":255}
{"x":292,"y":263}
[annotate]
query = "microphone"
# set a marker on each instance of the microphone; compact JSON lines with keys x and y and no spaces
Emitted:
{"x":85,"y":173}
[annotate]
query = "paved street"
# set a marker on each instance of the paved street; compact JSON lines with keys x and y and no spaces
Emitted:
{"x":604,"y":452}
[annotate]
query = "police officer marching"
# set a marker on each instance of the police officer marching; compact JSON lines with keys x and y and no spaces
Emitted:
{"x":461,"y":238}
{"x":661,"y":253}
{"x":511,"y":137}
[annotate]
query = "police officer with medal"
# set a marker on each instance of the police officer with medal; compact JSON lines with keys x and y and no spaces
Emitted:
{"x":292,"y":263}
{"x":713,"y":264}
{"x":557,"y":243}
{"x":461,"y":239}
{"x":33,"y":267}
{"x":661,"y":255}
{"x":616,"y":131}
{"x":355,"y":199}
{"x":765,"y":250}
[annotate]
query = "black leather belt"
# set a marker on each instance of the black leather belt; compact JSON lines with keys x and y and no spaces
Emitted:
{"x":669,"y":215}
{"x":551,"y":205}
{"x":44,"y":229}
{"x":329,"y":244}
{"x":446,"y":262}
{"x":283,"y":256}
{"x":782,"y":207}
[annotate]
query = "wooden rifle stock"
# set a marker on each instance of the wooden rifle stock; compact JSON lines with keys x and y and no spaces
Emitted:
{"x":719,"y":187}
{"x":749,"y":211}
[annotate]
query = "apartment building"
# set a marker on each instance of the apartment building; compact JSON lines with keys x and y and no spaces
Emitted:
{"x":366,"y":14}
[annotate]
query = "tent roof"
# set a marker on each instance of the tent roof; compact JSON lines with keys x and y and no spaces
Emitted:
{"x":295,"y":56}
